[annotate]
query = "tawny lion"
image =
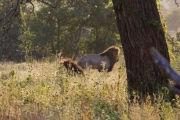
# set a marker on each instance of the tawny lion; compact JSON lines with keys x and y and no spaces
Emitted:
{"x":103,"y":61}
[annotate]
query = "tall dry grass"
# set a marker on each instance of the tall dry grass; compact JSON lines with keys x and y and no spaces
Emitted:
{"x":45,"y":91}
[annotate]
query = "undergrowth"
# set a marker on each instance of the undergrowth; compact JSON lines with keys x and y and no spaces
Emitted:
{"x":49,"y":92}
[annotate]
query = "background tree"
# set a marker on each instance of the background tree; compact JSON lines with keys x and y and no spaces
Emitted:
{"x":74,"y":28}
{"x":9,"y":22}
{"x":140,"y":28}
{"x":12,"y":26}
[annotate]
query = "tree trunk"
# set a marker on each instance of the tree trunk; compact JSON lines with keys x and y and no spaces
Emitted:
{"x":140,"y":28}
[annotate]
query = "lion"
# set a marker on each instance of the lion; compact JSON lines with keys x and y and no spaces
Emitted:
{"x":103,"y":61}
{"x":70,"y":65}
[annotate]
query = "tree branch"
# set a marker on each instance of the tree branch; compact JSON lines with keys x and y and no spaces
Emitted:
{"x":164,"y":65}
{"x":176,"y":3}
{"x":10,"y":17}
{"x":49,"y":4}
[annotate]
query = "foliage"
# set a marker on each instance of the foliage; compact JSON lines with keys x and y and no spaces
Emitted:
{"x":9,"y":44}
{"x":174,"y":51}
{"x":178,"y":36}
{"x":73,"y":28}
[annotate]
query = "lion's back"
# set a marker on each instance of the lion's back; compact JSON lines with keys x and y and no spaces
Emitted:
{"x":94,"y":60}
{"x":85,"y":60}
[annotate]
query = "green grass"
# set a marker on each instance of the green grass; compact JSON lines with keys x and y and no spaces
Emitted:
{"x":45,"y":91}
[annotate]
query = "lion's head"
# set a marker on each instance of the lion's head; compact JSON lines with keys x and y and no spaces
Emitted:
{"x":113,"y":54}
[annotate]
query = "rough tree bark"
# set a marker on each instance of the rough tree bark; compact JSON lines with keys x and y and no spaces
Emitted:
{"x":140,"y":28}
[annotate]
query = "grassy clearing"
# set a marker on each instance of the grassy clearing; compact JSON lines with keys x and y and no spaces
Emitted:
{"x":43,"y":91}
